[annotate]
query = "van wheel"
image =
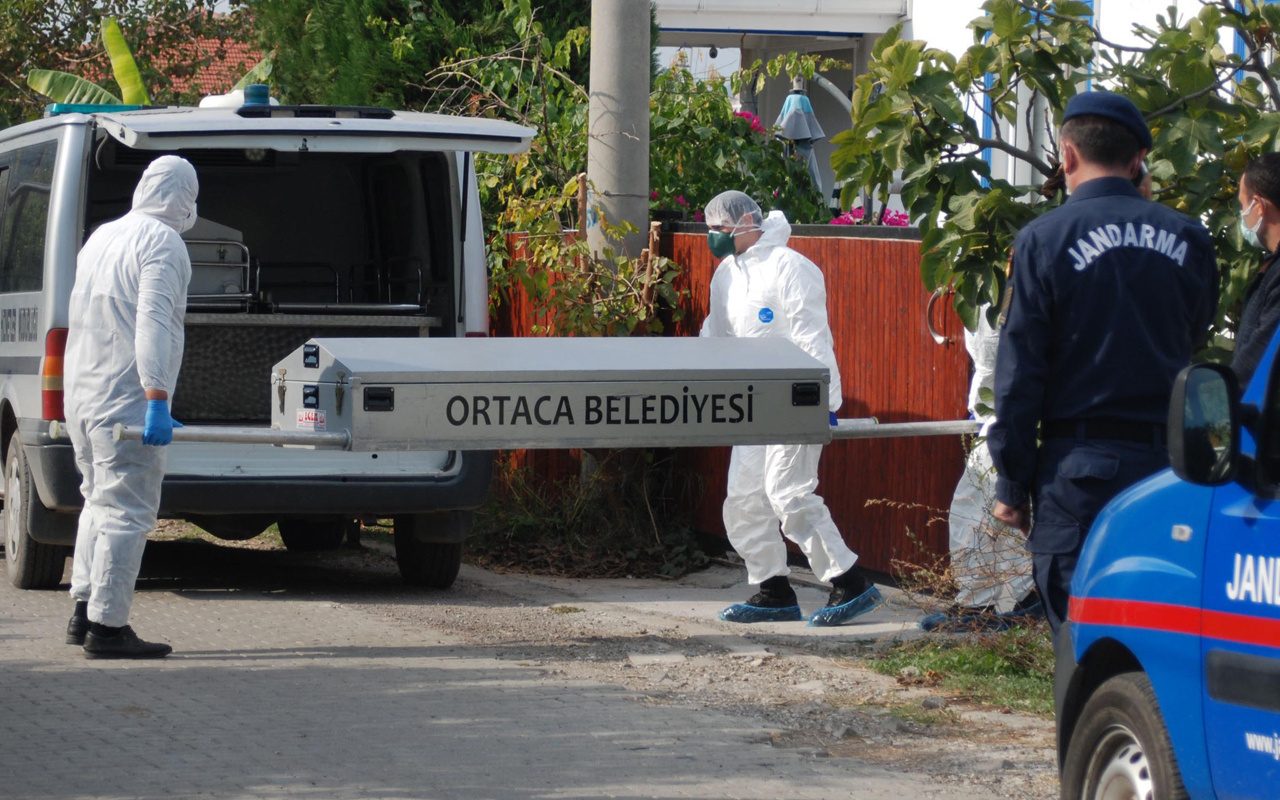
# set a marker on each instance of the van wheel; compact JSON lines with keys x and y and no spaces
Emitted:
{"x":1120,"y":747}
{"x":425,"y":563}
{"x":31,"y":564}
{"x":314,"y":535}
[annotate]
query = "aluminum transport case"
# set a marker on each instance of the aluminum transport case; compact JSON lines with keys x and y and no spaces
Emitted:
{"x":475,"y":394}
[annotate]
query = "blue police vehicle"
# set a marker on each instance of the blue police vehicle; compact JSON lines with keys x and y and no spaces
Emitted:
{"x":1168,"y":671}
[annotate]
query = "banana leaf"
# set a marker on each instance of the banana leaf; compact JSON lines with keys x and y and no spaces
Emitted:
{"x":258,"y":74}
{"x":63,"y":87}
{"x":122,"y":64}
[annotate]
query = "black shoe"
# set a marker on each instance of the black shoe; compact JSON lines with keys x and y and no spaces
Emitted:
{"x":847,"y":586}
{"x":78,"y":625}
{"x":124,"y":644}
{"x":775,"y":592}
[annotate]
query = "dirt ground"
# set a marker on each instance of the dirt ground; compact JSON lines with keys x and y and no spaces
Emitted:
{"x":808,"y":692}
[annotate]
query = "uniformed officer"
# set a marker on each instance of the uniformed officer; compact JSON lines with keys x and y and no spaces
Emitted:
{"x":1108,"y":297}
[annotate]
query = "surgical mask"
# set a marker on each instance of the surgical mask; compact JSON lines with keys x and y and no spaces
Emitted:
{"x":1250,"y":234}
{"x":722,"y":243}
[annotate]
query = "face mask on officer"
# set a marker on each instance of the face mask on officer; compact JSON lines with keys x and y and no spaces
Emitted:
{"x":1250,"y":232}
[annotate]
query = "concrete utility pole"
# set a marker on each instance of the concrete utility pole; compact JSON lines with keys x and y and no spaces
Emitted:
{"x":618,"y":120}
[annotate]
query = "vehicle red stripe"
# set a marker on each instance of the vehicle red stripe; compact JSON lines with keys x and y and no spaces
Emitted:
{"x":1242,"y":628}
{"x":1136,"y":614}
{"x":1238,"y":628}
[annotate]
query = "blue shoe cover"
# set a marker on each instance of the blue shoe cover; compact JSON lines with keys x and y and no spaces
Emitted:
{"x":964,"y":623}
{"x":839,"y":615}
{"x":967,"y":623}
{"x":1019,"y":615}
{"x":741,"y":612}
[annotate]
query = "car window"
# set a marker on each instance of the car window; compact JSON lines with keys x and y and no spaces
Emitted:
{"x":23,"y":222}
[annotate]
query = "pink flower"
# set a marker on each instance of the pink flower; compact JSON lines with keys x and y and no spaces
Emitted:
{"x":756,"y":125}
{"x":698,"y":216}
{"x":680,"y":199}
{"x":852,"y":217}
{"x":653,"y":195}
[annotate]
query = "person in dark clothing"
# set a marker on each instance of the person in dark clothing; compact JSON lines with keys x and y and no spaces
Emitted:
{"x":1108,"y":297}
{"x":1259,"y":196}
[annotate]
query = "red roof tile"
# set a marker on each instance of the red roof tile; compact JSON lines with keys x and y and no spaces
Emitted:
{"x":229,"y":61}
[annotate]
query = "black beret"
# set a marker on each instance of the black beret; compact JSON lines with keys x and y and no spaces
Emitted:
{"x":1114,"y":107}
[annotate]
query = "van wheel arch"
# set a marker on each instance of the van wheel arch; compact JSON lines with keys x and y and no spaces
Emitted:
{"x":8,"y":426}
{"x":1106,"y":659}
{"x":31,"y":564}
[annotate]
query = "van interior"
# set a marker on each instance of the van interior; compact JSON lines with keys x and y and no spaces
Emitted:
{"x":289,"y":246}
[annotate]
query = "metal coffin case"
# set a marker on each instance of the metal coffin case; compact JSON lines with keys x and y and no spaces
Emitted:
{"x":480,"y":394}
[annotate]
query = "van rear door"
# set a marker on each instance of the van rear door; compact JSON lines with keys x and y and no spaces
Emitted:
{"x":312,"y":129}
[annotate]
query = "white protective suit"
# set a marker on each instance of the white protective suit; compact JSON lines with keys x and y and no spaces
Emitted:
{"x":125,"y":337}
{"x":989,"y":561}
{"x":771,"y":290}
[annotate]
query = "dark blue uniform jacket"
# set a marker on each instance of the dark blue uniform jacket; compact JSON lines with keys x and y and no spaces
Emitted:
{"x":1258,"y":321}
{"x":1110,"y":295}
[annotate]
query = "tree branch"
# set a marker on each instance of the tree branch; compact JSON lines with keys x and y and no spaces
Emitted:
{"x":1025,"y":155}
{"x":1216,"y":85}
{"x":1097,"y":35}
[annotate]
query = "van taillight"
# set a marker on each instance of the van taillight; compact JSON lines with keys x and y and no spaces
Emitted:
{"x":55,"y":346}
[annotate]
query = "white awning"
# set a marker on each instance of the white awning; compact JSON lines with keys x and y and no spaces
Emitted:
{"x":717,"y":21}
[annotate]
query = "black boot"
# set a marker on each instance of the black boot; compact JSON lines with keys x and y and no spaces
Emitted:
{"x":107,"y":642}
{"x":78,"y":625}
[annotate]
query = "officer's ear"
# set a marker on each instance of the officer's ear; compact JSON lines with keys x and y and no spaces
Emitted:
{"x":1070,"y":157}
{"x":1139,"y":165}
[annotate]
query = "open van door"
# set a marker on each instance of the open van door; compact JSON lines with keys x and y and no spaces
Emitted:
{"x":312,"y":129}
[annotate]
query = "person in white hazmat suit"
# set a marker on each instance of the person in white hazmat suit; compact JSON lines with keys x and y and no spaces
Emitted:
{"x":124,"y":347}
{"x":764,"y":288}
{"x":989,"y":561}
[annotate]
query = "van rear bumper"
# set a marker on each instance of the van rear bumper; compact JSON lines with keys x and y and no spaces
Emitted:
{"x":463,"y":490}
{"x":53,"y":469}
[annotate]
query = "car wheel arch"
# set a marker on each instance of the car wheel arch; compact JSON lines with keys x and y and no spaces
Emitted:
{"x":1105,"y":659}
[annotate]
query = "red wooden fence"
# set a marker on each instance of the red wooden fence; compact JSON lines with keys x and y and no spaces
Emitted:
{"x":881,"y":492}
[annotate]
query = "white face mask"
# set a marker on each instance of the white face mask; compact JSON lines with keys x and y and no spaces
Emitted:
{"x":1250,"y":233}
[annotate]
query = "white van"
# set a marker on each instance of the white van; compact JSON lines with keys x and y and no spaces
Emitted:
{"x":314,"y":221}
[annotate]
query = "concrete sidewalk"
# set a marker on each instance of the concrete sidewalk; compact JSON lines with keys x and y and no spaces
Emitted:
{"x":283,"y":685}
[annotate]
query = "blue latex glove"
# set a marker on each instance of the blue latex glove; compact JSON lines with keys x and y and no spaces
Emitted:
{"x":158,"y":428}
{"x":833,"y":418}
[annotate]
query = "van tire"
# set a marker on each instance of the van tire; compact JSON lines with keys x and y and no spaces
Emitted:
{"x":1121,"y":738}
{"x":433,"y":564}
{"x":316,"y":535}
{"x":31,"y":564}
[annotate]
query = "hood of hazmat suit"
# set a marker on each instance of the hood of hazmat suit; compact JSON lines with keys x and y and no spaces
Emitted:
{"x":127,"y":305}
{"x":771,"y":290}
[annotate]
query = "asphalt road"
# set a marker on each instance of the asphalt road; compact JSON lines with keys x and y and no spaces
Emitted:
{"x":323,"y":677}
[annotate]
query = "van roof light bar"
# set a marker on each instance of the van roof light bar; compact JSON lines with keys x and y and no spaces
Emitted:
{"x":54,"y":109}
